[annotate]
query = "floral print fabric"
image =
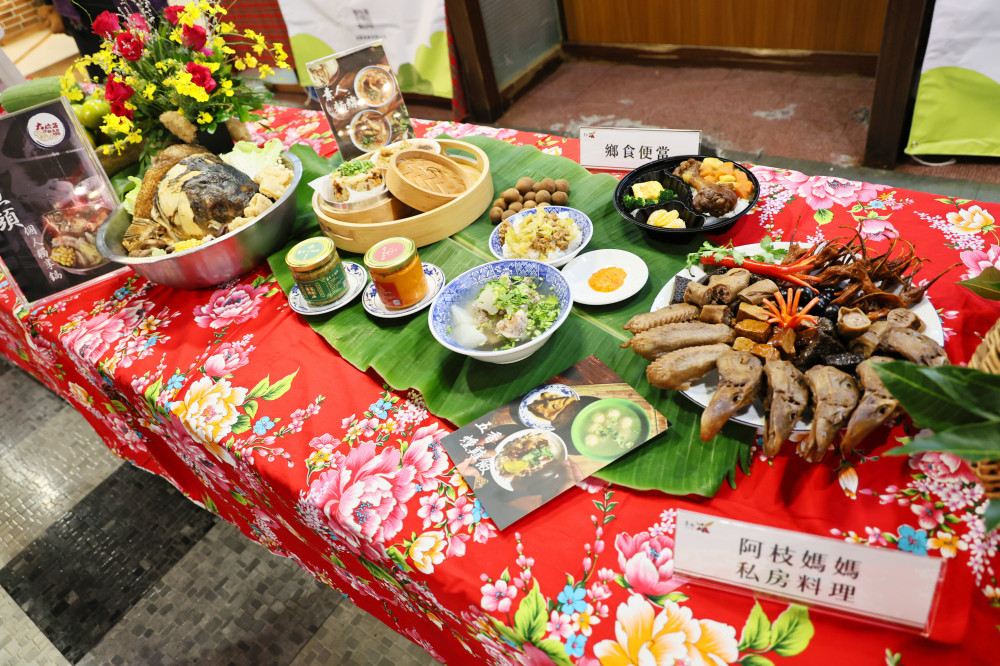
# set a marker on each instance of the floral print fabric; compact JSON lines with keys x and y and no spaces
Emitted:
{"x":231,"y":396}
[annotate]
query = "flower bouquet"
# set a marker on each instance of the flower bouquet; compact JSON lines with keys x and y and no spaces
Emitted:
{"x":174,"y":75}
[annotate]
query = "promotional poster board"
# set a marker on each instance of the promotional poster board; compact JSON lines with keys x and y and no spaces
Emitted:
{"x":53,"y":197}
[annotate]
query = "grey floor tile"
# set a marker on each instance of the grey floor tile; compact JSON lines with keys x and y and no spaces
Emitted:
{"x":80,"y":577}
{"x":21,"y":642}
{"x":45,"y":474}
{"x":228,"y":601}
{"x":25,"y":404}
{"x":352,"y":637}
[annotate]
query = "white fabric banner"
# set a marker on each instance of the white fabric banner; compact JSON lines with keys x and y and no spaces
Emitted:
{"x":413,"y":33}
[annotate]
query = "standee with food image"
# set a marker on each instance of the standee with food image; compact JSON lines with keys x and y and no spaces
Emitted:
{"x":528,"y":451}
{"x":361,"y":99}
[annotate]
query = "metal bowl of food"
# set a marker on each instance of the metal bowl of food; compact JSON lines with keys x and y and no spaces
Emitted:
{"x":217,"y":260}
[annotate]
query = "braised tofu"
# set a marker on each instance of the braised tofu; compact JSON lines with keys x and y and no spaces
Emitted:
{"x":766,"y":352}
{"x":743,"y":344}
{"x":751,"y":311}
{"x":757,"y":331}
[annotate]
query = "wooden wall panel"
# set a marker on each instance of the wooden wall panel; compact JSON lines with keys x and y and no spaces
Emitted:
{"x":838,"y":26}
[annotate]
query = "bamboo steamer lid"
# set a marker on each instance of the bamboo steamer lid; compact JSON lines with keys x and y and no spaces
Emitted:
{"x":424,"y":180}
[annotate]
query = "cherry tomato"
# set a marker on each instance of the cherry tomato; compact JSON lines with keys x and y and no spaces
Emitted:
{"x":92,"y":113}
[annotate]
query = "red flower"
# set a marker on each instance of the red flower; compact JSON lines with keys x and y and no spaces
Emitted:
{"x":171,"y":12}
{"x":119,"y":109}
{"x":194,"y":36}
{"x":106,"y":24}
{"x":117,"y":91}
{"x":202,"y":76}
{"x":138,"y":22}
{"x":128,"y":46}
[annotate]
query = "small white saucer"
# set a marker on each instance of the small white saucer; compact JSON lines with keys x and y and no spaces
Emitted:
{"x":373,"y":304}
{"x":356,"y":277}
{"x":579,"y":270}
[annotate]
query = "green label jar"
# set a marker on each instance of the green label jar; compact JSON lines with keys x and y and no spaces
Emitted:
{"x":316,"y":268}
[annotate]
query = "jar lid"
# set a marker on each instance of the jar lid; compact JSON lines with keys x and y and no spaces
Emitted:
{"x":390,"y":254}
{"x":309,"y":254}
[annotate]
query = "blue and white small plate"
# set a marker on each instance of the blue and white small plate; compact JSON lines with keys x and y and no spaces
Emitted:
{"x":579,"y":217}
{"x":373,"y":304}
{"x":356,"y":276}
{"x":534,"y":421}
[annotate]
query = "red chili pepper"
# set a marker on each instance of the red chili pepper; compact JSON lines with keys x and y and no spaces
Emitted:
{"x":794,"y":273}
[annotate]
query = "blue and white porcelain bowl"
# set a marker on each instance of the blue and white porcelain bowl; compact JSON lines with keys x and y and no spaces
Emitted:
{"x":579,"y":217}
{"x":466,"y":287}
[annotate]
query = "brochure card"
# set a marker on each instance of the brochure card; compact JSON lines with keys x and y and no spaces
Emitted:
{"x":53,"y":197}
{"x":891,"y":586}
{"x":361,"y":98}
{"x":625,"y":148}
{"x":531,"y":449}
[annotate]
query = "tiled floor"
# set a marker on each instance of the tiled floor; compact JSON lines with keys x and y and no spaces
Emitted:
{"x":103,"y":564}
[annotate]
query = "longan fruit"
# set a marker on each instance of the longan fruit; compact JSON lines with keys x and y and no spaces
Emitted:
{"x":529,"y":204}
{"x":507,"y":213}
{"x":560,"y":198}
{"x":562,"y":185}
{"x":542,"y":196}
{"x":510,"y":195}
{"x":515,"y":206}
{"x":529,"y":196}
{"x":496,"y":214}
{"x":524,"y":184}
{"x":536,"y":187}
{"x":500,"y":203}
{"x":548,"y":185}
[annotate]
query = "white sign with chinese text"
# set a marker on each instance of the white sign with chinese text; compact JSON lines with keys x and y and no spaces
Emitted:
{"x":631,"y":147}
{"x":890,"y":585}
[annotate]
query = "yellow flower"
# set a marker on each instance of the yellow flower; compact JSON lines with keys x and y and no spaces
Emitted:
{"x":644,"y":637}
{"x":266,"y":70}
{"x":716,"y":644}
{"x":239,"y":65}
{"x":148,"y":91}
{"x":971,"y":221}
{"x":204,"y":118}
{"x":225,"y":28}
{"x":209,"y":409}
{"x":258,"y":49}
{"x":80,"y":394}
{"x":250,"y":60}
{"x":848,"y":479}
{"x":949,"y":544}
{"x":428,"y":550}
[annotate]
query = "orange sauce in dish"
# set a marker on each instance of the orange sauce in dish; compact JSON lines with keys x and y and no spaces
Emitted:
{"x":607,"y":279}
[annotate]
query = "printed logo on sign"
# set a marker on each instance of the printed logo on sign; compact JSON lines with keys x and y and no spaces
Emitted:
{"x":46,"y":130}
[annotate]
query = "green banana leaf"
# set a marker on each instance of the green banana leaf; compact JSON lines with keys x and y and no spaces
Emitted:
{"x":460,"y":389}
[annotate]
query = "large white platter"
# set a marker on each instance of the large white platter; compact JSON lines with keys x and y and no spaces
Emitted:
{"x":703,"y":389}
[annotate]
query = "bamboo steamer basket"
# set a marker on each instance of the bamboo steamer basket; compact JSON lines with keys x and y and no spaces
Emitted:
{"x":986,"y":358}
{"x":424,"y":180}
{"x":424,"y":228}
{"x":388,"y":209}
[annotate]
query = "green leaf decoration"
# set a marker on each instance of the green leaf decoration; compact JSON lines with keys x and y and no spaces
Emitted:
{"x":992,"y":515}
{"x":893,"y":659}
{"x":962,"y":202}
{"x":250,"y":407}
{"x":756,"y":634}
{"x":242,"y":424}
{"x":986,"y":284}
{"x":530,"y":618}
{"x":279,"y":389}
{"x":459,"y":389}
{"x":677,"y":597}
{"x":974,"y":441}
{"x":823,"y":216}
{"x":755,"y":660}
{"x":380,"y":572}
{"x":939,"y":398}
{"x":792,"y":631}
{"x":259,"y":389}
{"x":555,"y":650}
{"x":507,"y":632}
{"x":398,"y":558}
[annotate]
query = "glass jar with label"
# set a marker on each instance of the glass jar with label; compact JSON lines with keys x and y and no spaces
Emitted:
{"x":397,"y":272}
{"x":316,"y":268}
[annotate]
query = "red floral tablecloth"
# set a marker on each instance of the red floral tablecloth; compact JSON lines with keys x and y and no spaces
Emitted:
{"x":235,"y":400}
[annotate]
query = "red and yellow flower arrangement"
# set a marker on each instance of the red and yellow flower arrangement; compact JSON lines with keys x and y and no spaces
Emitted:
{"x":174,"y":74}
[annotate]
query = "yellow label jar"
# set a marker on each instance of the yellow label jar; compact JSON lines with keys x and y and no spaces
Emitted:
{"x":317,"y":270}
{"x":397,"y":272}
